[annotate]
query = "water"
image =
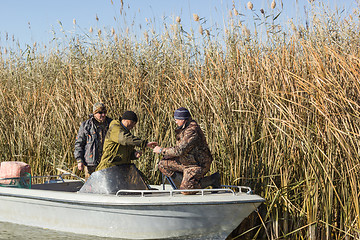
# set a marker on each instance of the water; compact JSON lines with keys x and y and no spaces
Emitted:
{"x":20,"y":232}
{"x":10,"y":231}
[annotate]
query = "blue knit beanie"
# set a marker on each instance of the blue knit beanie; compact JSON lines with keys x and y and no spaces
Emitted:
{"x":182,"y":114}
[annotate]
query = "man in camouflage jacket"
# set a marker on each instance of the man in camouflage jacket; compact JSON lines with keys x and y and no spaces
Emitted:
{"x":191,"y":155}
{"x":90,"y":139}
{"x":119,"y":145}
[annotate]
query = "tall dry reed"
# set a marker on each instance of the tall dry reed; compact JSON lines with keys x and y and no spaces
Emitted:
{"x":281,"y":116}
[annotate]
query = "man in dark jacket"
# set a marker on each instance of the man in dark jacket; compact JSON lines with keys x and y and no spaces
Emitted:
{"x":119,"y":145}
{"x":90,"y":139}
{"x":191,"y":156}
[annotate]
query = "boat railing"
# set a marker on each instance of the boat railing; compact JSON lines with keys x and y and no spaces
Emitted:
{"x":171,"y":192}
{"x":240,"y":188}
{"x":51,"y":178}
{"x":48,"y":179}
{"x":23,"y":181}
{"x":59,"y":177}
{"x":26,"y":181}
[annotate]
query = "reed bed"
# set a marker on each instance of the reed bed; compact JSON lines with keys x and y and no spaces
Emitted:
{"x":281,"y":115}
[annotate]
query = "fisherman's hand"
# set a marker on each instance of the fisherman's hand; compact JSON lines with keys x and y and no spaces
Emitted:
{"x":157,"y":149}
{"x":138,"y":154}
{"x":151,"y":144}
{"x":80,"y":166}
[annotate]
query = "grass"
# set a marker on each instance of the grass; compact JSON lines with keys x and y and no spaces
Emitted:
{"x":281,"y":116}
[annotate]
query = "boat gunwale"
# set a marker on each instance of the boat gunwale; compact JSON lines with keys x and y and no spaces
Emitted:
{"x":110,"y":204}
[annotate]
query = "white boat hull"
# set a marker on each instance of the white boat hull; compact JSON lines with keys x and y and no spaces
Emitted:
{"x":130,"y":217}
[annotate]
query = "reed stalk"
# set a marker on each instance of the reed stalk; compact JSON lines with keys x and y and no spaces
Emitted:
{"x":280,"y":116}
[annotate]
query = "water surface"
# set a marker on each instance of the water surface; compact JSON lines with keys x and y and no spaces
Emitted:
{"x":21,"y":232}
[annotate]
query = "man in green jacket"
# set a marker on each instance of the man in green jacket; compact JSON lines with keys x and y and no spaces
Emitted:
{"x":119,"y":145}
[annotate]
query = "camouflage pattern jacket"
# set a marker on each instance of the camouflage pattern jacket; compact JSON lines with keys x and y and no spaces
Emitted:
{"x":119,"y":146}
{"x":191,"y":146}
{"x":89,"y":141}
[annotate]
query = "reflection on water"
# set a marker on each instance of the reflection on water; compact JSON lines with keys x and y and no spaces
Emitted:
{"x":21,"y":232}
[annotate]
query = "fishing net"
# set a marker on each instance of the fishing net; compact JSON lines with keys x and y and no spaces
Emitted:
{"x":18,"y":182}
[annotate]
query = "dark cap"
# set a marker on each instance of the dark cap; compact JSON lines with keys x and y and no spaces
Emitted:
{"x":182,"y":114}
{"x":130,"y":115}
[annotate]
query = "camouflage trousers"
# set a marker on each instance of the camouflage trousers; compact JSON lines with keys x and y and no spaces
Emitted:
{"x":191,"y":173}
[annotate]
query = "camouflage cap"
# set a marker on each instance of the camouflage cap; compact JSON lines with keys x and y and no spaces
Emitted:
{"x":99,"y":107}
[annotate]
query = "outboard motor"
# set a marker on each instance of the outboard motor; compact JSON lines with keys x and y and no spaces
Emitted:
{"x":112,"y":179}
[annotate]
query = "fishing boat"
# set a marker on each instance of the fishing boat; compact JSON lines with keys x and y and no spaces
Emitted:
{"x":104,"y":207}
